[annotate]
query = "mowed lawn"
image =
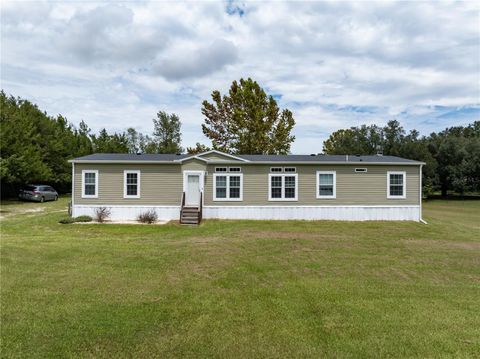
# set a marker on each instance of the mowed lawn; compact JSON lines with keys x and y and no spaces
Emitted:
{"x":232,"y":289}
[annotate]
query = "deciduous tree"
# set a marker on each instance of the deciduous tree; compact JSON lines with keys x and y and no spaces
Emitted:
{"x":199,"y":148}
{"x":247,"y":121}
{"x":452,"y":156}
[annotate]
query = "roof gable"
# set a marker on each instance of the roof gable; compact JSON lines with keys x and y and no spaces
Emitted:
{"x":193,"y":159}
{"x":214,"y":155}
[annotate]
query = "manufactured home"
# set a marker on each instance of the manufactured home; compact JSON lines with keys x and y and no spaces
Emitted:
{"x":214,"y":184}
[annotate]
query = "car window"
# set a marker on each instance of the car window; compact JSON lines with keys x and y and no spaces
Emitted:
{"x":51,"y":189}
{"x":44,"y":189}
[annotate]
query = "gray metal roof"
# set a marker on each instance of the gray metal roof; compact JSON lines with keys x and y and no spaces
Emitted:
{"x":319,"y":158}
{"x":131,"y":157}
{"x":326,"y":158}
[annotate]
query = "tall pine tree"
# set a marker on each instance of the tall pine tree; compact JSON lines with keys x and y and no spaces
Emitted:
{"x":166,"y":133}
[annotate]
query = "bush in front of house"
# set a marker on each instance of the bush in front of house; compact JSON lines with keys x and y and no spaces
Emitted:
{"x":102,"y":214}
{"x":83,"y":219}
{"x":70,"y":220}
{"x":67,"y":220}
{"x":148,"y":217}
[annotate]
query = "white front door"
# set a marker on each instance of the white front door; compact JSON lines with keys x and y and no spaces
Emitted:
{"x":192,"y":193}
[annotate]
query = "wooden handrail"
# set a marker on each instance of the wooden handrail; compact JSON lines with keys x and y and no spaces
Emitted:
{"x":200,"y":208}
{"x":181,"y":207}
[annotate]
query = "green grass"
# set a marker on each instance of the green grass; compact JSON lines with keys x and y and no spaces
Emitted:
{"x":230,"y":289}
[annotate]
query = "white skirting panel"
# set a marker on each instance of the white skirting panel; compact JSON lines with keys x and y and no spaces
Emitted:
{"x":336,"y":213}
{"x":119,"y":212}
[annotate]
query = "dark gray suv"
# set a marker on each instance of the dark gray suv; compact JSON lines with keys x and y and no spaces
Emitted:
{"x":38,"y":193}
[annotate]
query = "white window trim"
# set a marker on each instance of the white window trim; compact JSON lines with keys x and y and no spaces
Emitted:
{"x":281,"y":170}
{"x":83,"y":184}
{"x":125,"y":195}
{"x":404,"y":195}
{"x":217,"y":168}
{"x":228,"y":175}
{"x":283,"y":175}
{"x":317,"y":191}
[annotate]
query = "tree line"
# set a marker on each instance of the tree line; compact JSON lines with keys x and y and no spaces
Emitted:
{"x":36,"y":147}
{"x":452,"y":156}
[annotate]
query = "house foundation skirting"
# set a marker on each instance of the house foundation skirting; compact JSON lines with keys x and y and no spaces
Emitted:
{"x":339,"y":213}
{"x":124,"y":212}
{"x":336,"y":213}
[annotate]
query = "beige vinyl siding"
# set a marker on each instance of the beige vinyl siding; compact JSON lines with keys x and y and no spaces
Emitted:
{"x":160,"y":184}
{"x":352,"y":188}
{"x":194,"y":165}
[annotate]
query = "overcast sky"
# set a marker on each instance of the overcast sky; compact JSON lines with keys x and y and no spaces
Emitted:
{"x":335,"y":65}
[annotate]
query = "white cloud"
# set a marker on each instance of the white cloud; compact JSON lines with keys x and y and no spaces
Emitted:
{"x":106,"y":35}
{"x":334,"y":64}
{"x":185,"y":63}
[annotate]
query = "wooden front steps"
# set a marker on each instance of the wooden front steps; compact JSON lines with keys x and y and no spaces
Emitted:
{"x":190,"y":215}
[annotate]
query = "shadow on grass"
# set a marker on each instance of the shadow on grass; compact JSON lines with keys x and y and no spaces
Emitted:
{"x":454,"y":197}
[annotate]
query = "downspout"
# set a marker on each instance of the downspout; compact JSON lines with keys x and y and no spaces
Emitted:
{"x":421,"y":192}
{"x":73,"y":187}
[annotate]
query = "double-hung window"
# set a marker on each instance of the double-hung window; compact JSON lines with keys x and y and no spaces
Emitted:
{"x":282,"y":187}
{"x":396,"y":184}
{"x":131,"y":184}
{"x":326,"y":184}
{"x":227,"y":187}
{"x":90,"y":184}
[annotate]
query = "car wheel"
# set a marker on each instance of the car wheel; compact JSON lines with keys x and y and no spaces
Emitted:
{"x":42,"y":199}
{"x":56,"y":198}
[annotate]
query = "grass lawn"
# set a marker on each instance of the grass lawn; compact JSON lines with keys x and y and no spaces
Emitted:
{"x":230,"y":289}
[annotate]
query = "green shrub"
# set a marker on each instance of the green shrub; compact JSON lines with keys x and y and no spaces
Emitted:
{"x":427,"y":191}
{"x":83,"y":219}
{"x":70,"y":220}
{"x":67,"y":220}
